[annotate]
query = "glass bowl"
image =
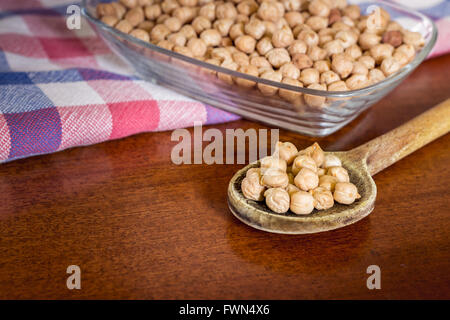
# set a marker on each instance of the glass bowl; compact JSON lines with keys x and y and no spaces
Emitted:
{"x":283,"y":106}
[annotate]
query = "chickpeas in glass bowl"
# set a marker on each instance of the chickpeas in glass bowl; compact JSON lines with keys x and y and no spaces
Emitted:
{"x":309,"y":66}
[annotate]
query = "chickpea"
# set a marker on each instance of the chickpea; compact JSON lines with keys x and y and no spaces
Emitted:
{"x":119,"y":9}
{"x":268,"y":90}
{"x":277,"y":57}
{"x":152,"y":12}
{"x":211,"y":37}
{"x":368,"y":40}
{"x":185,"y":14}
{"x":316,"y":53}
{"x":340,"y":26}
{"x":274,"y":178}
{"x":290,"y":95}
{"x":319,"y":8}
{"x":375,"y":76}
{"x":342,"y":65}
{"x":223,"y":26}
{"x":208,"y":11}
{"x":166,"y":44}
{"x":347,"y":38}
{"x":309,"y":76}
{"x":360,"y":68}
{"x":413,"y":38}
{"x":144,"y":2}
{"x":328,"y":182}
{"x":292,"y":5}
{"x":146,"y":25}
{"x":401,"y":58}
{"x":278,"y":200}
{"x":335,"y":16}
{"x":293,"y":18}
{"x":302,"y":61}
{"x":323,"y":198}
{"x":105,"y":9}
{"x":289,"y":70}
{"x":309,"y":37}
{"x":394,"y":26}
{"x":302,"y":203}
{"x":282,"y":38}
{"x":245,"y":43}
{"x":140,"y":34}
{"x":381,"y":51}
{"x":226,"y":10}
{"x":303,"y":161}
{"x":241,"y":58}
{"x":345,"y":193}
{"x":273,"y":162}
{"x":255,"y":28}
{"x":339,"y":172}
{"x":109,"y":20}
{"x":129,"y":3}
{"x":260,"y":62}
{"x":231,"y":65}
{"x":264,"y":45}
{"x":352,"y":11}
{"x":197,"y":46}
{"x":298,"y":46}
{"x":173,"y":24}
{"x":315,"y":152}
{"x":353,"y":52}
{"x":236,"y":31}
{"x":269,"y":11}
{"x":389,"y":66}
{"x":286,"y":151}
{"x":357,"y":81}
{"x":408,"y":50}
{"x":306,"y":179}
{"x":183,"y":50}
{"x":200,"y":24}
{"x":321,"y":172}
{"x":315,"y":101}
{"x":291,"y":188}
{"x":168,"y":6}
{"x":250,"y":70}
{"x":368,"y":61}
{"x":338,"y":86}
{"x":331,"y":161}
{"x":124,"y":26}
{"x":316,"y":23}
{"x":177,"y":39}
{"x":322,"y":65}
{"x":188,"y":3}
{"x":333,"y":47}
{"x":252,"y":189}
{"x":329,"y":77}
{"x":162,"y":18}
{"x":135,"y":16}
{"x":247,"y":7}
{"x":394,"y":38}
{"x":188,"y":31}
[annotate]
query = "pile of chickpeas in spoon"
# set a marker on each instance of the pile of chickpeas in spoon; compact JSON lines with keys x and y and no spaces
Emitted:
{"x":299,"y":181}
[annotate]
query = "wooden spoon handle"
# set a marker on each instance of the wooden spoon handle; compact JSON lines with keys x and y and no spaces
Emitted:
{"x":387,"y":149}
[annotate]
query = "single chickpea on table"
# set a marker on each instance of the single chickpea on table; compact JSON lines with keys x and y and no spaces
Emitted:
{"x":299,"y":180}
{"x":317,"y":44}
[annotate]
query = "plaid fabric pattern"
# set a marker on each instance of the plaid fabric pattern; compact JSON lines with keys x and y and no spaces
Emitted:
{"x":62,"y":88}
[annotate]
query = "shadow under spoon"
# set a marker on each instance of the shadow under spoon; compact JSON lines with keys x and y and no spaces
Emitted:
{"x":362,"y":163}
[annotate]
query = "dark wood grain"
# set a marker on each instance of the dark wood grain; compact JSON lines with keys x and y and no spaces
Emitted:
{"x":142,"y":227}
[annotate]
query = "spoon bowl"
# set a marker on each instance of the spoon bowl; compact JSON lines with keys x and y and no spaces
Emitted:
{"x":361,"y":163}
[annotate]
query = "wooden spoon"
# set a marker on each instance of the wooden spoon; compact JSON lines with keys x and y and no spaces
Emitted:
{"x":362,"y":163}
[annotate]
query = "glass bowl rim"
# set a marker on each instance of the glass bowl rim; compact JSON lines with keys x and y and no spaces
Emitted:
{"x":423,"y":53}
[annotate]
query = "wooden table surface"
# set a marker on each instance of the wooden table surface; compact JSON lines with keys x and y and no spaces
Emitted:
{"x":141,"y":227}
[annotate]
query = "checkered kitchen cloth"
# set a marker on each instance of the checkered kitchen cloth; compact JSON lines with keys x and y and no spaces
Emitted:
{"x":61,"y":88}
